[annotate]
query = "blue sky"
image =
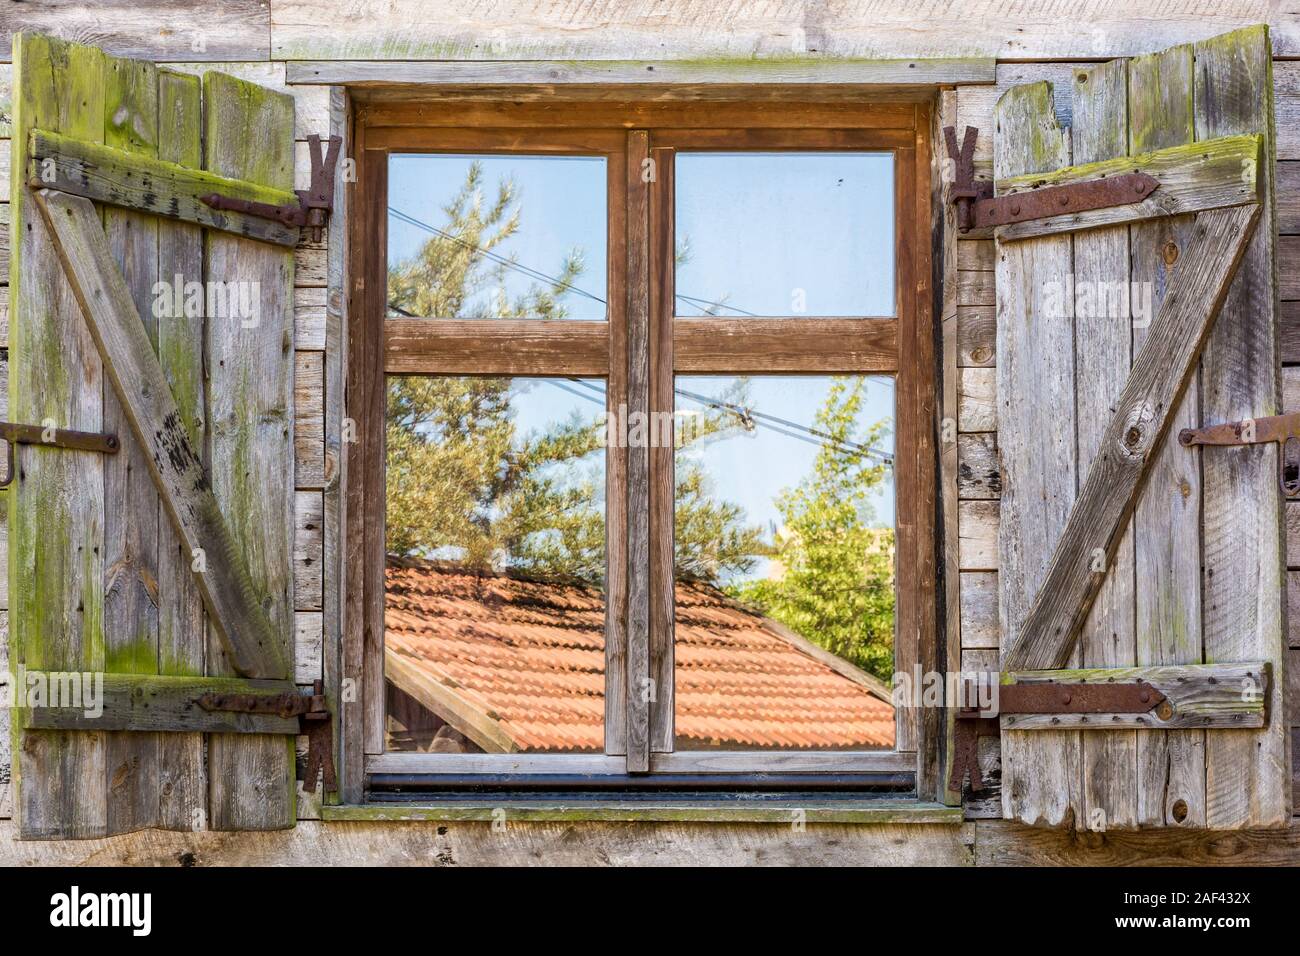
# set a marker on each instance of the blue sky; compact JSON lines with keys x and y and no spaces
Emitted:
{"x":759,"y":227}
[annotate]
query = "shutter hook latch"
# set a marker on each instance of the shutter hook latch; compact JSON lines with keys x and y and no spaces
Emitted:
{"x":16,"y":434}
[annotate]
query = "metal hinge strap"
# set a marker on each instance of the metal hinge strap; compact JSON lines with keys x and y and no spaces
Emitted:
{"x":314,"y":720}
{"x":1282,"y":429}
{"x":1040,"y":698}
{"x":977,"y":207}
{"x":315,"y":203}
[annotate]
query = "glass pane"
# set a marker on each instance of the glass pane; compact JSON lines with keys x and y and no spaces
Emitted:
{"x":494,"y":236}
{"x":784,"y":554}
{"x":494,"y":620}
{"x":785,"y":234}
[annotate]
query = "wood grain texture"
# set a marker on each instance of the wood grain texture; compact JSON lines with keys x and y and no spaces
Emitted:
{"x":1041,"y":772}
{"x":1161,"y":369}
{"x":165,"y":30}
{"x":495,"y":347}
{"x":249,"y":135}
{"x":640,"y":692}
{"x":979,"y":610}
{"x":979,"y":473}
{"x":131,"y":569}
{"x":1247,"y":776}
{"x":662,"y":367}
{"x":642,"y":74}
{"x":181,"y":626}
{"x":682,"y":29}
{"x":228,"y":585}
{"x":771,"y":346}
{"x":56,"y":517}
{"x":1167,"y":521}
{"x":1102,"y":337}
{"x":141,"y":704}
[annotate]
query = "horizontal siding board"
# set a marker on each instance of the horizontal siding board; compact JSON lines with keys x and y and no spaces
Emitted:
{"x":229,"y":30}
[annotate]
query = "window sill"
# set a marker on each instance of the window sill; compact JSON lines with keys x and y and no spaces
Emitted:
{"x":596,"y":811}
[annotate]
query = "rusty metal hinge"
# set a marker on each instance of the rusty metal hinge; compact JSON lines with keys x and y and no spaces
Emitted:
{"x":1283,"y":429}
{"x":16,"y":434}
{"x":315,"y":203}
{"x":312,"y":711}
{"x":972,"y":723}
{"x":977,"y":207}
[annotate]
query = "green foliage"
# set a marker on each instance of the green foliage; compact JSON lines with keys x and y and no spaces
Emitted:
{"x":836,"y":583}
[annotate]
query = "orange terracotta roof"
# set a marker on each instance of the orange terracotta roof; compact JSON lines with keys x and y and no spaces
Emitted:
{"x":519,"y":665}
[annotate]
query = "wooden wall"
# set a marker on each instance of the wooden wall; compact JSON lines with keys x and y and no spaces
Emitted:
{"x":1032,"y":40}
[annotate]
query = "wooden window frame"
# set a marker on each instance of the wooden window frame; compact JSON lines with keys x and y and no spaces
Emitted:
{"x":639,"y":349}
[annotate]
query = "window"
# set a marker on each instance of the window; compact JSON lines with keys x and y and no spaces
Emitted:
{"x":648,"y":466}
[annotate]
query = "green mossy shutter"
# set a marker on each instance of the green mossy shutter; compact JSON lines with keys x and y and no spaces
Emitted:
{"x":100,"y":582}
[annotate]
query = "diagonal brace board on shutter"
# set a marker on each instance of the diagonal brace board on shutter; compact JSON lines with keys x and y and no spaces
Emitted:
{"x":174,"y":464}
{"x":1163,"y":366}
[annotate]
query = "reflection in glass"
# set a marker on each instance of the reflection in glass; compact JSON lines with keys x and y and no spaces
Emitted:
{"x":785,"y":234}
{"x":497,"y":236}
{"x":784,"y":563}
{"x":494,"y":616}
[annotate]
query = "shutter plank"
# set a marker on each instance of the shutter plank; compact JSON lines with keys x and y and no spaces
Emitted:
{"x":1036,"y":424}
{"x":249,"y":135}
{"x":183,"y":792}
{"x":130,"y":498}
{"x":1246,"y":774}
{"x":1102,"y":357}
{"x":1167,"y":522}
{"x":56,"y":564}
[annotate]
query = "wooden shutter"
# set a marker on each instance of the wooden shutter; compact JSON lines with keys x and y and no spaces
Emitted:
{"x":102,"y":547}
{"x":1193,"y":565}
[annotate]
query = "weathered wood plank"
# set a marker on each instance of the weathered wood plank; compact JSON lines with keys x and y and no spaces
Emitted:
{"x":979,"y":610}
{"x":639,"y":323}
{"x":1288,"y":197}
{"x":1201,"y":695}
{"x":608,"y":29}
{"x":249,"y":135}
{"x":308,"y":646}
{"x":495,"y":347}
{"x":235,"y":30}
{"x":56,"y":533}
{"x":182,"y":635}
{"x":1211,"y":174}
{"x":1167,"y":521}
{"x":1036,"y":418}
{"x":1248,"y":775}
{"x":897,"y":73}
{"x":309,"y":419}
{"x":979,"y":474}
{"x":308,"y":544}
{"x":1161,"y":370}
{"x":130,"y":499}
{"x":141,"y":704}
{"x":977,"y":409}
{"x":1102,"y":358}
{"x":773,"y":345}
{"x":977,"y":328}
{"x":434,"y":842}
{"x":137,"y":378}
{"x":977,"y":523}
{"x":309,"y":319}
{"x":120,"y":178}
